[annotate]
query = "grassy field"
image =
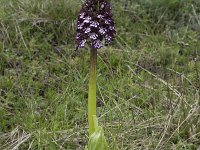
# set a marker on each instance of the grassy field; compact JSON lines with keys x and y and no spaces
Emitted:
{"x":148,"y":79}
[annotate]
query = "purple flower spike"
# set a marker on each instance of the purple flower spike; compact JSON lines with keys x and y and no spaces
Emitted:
{"x":95,"y":24}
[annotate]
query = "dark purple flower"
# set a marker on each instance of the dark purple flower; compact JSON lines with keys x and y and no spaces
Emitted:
{"x":95,"y":25}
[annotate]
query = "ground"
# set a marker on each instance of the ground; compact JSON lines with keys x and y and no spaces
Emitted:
{"x":147,"y":86}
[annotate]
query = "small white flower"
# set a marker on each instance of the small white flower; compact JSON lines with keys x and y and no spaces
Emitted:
{"x":93,"y":36}
{"x":100,"y":16}
{"x":107,"y":22}
{"x":102,"y":31}
{"x":111,"y":27}
{"x":80,"y":26}
{"x":87,"y":30}
{"x":87,"y":19}
{"x":82,"y":43}
{"x":78,"y":36}
{"x":94,"y":24}
{"x":82,"y":15}
{"x":108,"y":38}
{"x":97,"y":44}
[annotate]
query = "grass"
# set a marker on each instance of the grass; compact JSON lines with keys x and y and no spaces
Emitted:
{"x":148,"y":80}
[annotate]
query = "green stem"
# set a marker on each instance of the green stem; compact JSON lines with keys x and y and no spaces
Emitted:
{"x":92,"y":90}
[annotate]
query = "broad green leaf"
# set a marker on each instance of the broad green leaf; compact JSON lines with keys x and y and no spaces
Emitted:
{"x":97,"y":140}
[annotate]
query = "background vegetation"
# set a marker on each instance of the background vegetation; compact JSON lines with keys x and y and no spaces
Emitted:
{"x":148,"y":80}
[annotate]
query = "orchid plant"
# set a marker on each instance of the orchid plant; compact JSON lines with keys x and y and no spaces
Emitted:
{"x":95,"y":27}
